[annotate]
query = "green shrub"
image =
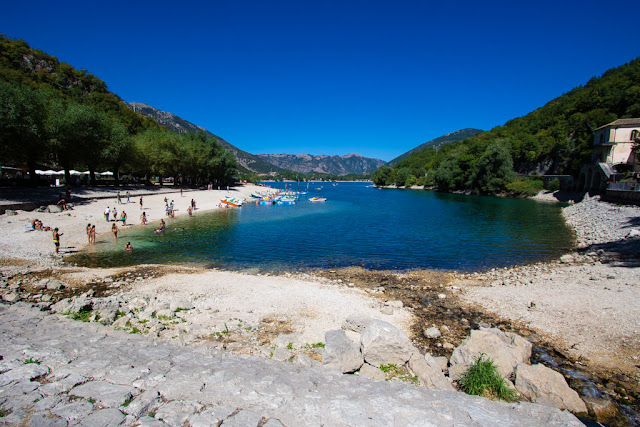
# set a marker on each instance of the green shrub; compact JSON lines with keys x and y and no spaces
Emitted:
{"x":525,"y":186}
{"x":553,"y":185}
{"x":82,"y":316}
{"x":482,"y":379}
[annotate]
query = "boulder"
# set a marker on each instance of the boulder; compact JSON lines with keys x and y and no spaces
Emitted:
{"x":340,"y":353}
{"x":371,"y":372}
{"x":428,"y":371}
{"x":10,"y":212}
{"x":432,"y":333}
{"x":543,"y":385}
{"x":54,"y":285}
{"x":506,"y":349}
{"x":382,"y":343}
{"x":54,"y":208}
{"x":355,"y":323}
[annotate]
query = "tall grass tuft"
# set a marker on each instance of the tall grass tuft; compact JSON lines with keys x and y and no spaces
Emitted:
{"x":482,"y":379}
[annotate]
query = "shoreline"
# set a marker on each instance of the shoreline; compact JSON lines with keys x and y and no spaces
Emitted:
{"x":605,"y":345}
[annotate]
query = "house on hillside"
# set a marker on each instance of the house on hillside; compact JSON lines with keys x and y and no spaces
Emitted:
{"x":612,"y":154}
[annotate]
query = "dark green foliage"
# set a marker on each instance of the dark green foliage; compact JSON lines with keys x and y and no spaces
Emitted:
{"x":52,"y":114}
{"x":525,"y":187}
{"x":493,"y":169}
{"x":482,"y":379}
{"x":384,"y":176}
{"x":555,"y":139}
{"x":553,"y":185}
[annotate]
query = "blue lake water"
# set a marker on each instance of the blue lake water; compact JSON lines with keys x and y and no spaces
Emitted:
{"x":380,"y":229}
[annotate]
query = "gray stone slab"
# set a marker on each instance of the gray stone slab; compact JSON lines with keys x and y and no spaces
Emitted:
{"x":104,"y":394}
{"x":194,"y":379}
{"x":103,"y":418}
{"x":41,"y":420}
{"x":243,"y":418}
{"x":73,"y":411}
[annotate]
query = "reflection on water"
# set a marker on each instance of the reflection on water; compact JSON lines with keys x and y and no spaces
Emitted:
{"x":358,"y":225}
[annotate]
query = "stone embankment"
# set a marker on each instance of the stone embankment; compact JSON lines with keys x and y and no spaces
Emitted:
{"x":56,"y":372}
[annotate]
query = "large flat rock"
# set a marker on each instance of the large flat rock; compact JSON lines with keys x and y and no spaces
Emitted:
{"x":195,"y":380}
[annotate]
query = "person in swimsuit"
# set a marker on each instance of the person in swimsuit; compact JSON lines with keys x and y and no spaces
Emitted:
{"x":140,"y":202}
{"x":128,"y":247}
{"x":93,"y":235}
{"x":123,"y":218}
{"x":89,"y":233}
{"x":114,"y":230}
{"x":56,"y":239}
{"x":143,"y":218}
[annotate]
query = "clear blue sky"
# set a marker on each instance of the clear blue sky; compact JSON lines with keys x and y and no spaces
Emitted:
{"x":335,"y":77}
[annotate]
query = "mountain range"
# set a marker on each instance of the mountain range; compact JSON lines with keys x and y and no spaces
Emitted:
{"x":333,"y":165}
{"x":265,"y":163}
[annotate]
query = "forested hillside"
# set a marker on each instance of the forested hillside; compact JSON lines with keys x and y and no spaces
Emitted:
{"x":554,"y":139}
{"x":52,"y":115}
{"x":248,"y":162}
{"x":436,"y":143}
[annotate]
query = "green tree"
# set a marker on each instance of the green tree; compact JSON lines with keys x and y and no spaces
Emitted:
{"x":402,"y":175}
{"x":383,"y":176}
{"x":23,"y":133}
{"x":493,"y":170}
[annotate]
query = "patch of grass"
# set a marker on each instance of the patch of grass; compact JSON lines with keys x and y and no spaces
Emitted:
{"x":92,"y":401}
{"x":82,"y":315}
{"x":290,"y":346}
{"x":135,"y":330}
{"x":163,"y":317}
{"x":31,"y":360}
{"x":127,"y":402}
{"x":143,"y":321}
{"x":482,"y":379}
{"x":152,"y":414}
{"x":4,"y":412}
{"x":119,"y":314}
{"x":316,"y":345}
{"x":179,"y":309}
{"x":398,"y":373}
{"x":387,"y":369}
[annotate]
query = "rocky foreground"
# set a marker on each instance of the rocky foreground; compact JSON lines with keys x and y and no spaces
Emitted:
{"x":58,"y":372}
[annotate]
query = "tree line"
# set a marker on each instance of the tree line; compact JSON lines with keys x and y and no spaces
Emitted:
{"x":39,"y":128}
{"x":52,"y":115}
{"x":552,"y":140}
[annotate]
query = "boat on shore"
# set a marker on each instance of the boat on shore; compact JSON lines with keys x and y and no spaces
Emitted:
{"x":318,"y":199}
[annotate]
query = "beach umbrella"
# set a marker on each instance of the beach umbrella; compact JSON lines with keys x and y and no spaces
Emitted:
{"x":75,"y":172}
{"x":107,"y":173}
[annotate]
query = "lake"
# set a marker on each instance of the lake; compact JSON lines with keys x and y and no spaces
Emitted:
{"x":358,"y":225}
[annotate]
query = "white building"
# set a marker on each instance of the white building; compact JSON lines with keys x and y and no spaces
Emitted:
{"x":612,"y":154}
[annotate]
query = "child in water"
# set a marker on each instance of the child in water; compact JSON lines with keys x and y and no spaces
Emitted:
{"x":128,"y":247}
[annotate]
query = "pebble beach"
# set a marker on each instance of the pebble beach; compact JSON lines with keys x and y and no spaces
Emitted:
{"x":584,"y":303}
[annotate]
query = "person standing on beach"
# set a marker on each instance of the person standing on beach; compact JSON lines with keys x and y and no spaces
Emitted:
{"x":143,"y":218}
{"x":123,"y":218}
{"x":128,"y":197}
{"x":114,"y":213}
{"x":56,"y":239}
{"x":114,"y":230}
{"x":140,"y":202}
{"x":89,"y":233}
{"x":92,"y":239}
{"x":181,"y":192}
{"x":119,"y":199}
{"x":107,"y":211}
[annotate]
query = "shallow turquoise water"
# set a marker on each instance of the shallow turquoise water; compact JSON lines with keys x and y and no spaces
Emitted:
{"x":357,"y":226}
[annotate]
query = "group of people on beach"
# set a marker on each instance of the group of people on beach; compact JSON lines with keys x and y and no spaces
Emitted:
{"x":111,"y":214}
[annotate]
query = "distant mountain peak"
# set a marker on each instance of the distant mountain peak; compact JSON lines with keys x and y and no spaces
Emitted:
{"x":322,"y":163}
